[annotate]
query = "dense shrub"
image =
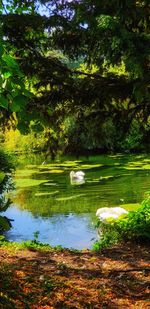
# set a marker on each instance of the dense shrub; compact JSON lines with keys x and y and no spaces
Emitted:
{"x":6,"y":165}
{"x":7,"y":162}
{"x":135,"y":226}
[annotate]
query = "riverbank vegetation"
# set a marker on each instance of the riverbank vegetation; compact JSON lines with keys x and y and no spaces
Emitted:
{"x":6,"y":166}
{"x":75,"y":80}
{"x":53,"y":144}
{"x":133,"y":227}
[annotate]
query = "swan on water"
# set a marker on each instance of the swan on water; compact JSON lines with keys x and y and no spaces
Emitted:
{"x":77,"y":177}
{"x":110,"y":212}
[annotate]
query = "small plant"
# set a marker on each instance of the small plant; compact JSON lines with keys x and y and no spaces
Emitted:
{"x":35,"y":245}
{"x":62,"y":266}
{"x":59,"y":248}
{"x":36,"y":235}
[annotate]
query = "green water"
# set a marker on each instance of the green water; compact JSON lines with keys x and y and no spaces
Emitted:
{"x":64,"y":214}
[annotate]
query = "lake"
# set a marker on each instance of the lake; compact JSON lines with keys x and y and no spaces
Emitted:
{"x":44,"y":199}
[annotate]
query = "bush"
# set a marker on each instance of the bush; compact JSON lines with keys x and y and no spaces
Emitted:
{"x":6,"y":165}
{"x":135,"y":226}
{"x":6,"y":161}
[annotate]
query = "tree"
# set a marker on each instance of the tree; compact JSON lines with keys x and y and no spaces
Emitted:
{"x":105,"y":35}
{"x":13,"y":93}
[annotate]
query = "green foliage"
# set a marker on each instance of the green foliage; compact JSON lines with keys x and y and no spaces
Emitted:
{"x":6,"y":161}
{"x":35,"y":245}
{"x":2,"y":176}
{"x":133,"y":139}
{"x":136,"y":226}
{"x":4,"y":224}
{"x":14,"y":141}
{"x":13,"y":93}
{"x":29,"y":244}
{"x":6,"y":165}
{"x":89,"y":72}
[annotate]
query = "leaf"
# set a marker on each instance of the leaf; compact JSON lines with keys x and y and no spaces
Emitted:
{"x":1,"y":48}
{"x":22,"y":126}
{"x":10,"y":61}
{"x":4,"y":224}
{"x":6,"y":205}
{"x":7,"y":74}
{"x":3,"y":102}
{"x":37,"y":127}
{"x":27,"y":93}
{"x":18,"y":103}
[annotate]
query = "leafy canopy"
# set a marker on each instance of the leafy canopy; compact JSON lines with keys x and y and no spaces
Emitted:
{"x":50,"y":49}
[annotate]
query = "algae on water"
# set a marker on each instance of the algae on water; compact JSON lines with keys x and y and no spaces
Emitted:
{"x":24,"y":183}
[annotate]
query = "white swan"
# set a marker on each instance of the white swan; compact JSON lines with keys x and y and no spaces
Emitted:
{"x":77,"y":177}
{"x":110,"y":213}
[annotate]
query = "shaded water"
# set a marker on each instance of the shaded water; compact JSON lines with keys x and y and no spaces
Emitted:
{"x":64,"y":214}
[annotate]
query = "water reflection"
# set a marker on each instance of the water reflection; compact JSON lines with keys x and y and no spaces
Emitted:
{"x":65,"y":230}
{"x":64,"y":212}
{"x":77,"y":182}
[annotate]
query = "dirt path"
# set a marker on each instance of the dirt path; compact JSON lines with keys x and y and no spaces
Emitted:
{"x":114,"y":278}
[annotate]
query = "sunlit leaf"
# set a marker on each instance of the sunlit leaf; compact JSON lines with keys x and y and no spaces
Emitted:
{"x":7,"y":74}
{"x":10,"y":61}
